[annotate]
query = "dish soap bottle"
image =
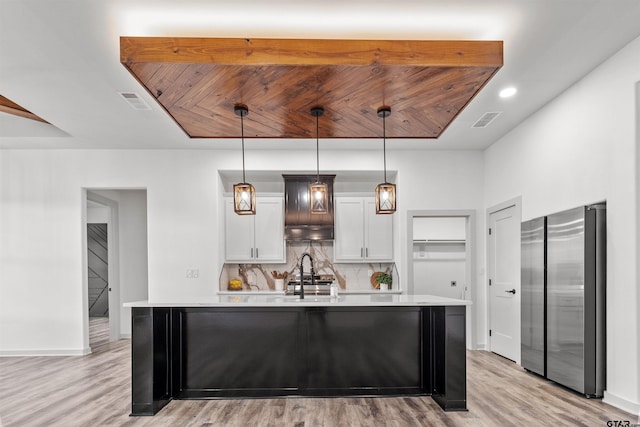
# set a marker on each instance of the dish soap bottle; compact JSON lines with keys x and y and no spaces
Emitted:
{"x":333,"y":290}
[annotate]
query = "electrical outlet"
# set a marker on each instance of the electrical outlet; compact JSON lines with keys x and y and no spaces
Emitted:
{"x":369,"y":272}
{"x":192,"y":274}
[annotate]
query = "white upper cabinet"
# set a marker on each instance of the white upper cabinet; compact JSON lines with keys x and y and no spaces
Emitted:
{"x":269,"y":230}
{"x":361,"y":234}
{"x":349,"y":229}
{"x":239,"y":234}
{"x":255,"y":238}
{"x":378,"y":236}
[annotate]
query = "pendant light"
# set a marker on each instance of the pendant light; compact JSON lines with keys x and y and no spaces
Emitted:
{"x":244,"y":194}
{"x":318,"y":191}
{"x":385,"y":192}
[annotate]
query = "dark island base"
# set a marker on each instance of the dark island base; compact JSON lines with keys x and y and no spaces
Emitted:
{"x":253,"y":352}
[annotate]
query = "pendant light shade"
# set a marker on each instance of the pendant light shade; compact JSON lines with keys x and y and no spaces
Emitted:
{"x":385,"y":192}
{"x":318,"y":192}
{"x":244,"y":194}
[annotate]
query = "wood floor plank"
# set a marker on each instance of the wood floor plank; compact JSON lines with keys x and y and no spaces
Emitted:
{"x":95,"y":390}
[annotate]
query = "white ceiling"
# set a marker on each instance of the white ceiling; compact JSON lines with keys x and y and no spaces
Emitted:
{"x":60,"y":59}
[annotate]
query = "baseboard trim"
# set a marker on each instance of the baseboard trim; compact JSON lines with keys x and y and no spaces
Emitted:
{"x":125,"y":336}
{"x":621,"y":403}
{"x":481,"y":347}
{"x":45,"y":352}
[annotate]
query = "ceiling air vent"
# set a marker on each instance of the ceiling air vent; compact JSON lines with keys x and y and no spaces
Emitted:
{"x":486,"y":119}
{"x":134,"y":100}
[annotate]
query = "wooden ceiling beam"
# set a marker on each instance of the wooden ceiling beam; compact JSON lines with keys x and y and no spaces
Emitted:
{"x":441,"y":53}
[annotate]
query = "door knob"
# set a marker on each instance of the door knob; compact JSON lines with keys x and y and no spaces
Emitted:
{"x":512,"y":291}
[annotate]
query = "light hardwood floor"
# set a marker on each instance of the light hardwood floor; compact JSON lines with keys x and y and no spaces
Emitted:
{"x":95,"y":390}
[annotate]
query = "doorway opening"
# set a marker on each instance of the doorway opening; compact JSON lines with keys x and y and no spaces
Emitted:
{"x":441,"y":260}
{"x":115,"y":267}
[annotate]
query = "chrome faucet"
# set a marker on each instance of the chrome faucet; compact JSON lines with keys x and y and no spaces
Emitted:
{"x":313,"y":273}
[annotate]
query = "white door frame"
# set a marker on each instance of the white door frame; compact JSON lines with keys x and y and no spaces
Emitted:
{"x":113,"y":270}
{"x":470,"y":264}
{"x":516,"y":203}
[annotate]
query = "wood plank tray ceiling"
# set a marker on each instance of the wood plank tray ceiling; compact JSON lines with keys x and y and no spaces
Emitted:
{"x":10,"y":107}
{"x":199,"y":80}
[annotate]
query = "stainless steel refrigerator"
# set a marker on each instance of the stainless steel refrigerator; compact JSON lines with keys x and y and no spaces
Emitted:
{"x":533,"y":279}
{"x":573,"y":324}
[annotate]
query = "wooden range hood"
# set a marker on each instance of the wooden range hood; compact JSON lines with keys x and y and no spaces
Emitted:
{"x":199,"y":80}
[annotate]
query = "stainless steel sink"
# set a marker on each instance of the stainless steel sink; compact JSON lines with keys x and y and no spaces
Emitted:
{"x":311,"y":298}
{"x":312,"y":290}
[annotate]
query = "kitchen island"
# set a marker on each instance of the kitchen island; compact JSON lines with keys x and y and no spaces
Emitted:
{"x":244,"y":346}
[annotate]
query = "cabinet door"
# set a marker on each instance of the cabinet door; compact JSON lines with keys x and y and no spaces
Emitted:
{"x":378,"y":233}
{"x":238,"y":235}
{"x":269,"y":230}
{"x":349,"y":225}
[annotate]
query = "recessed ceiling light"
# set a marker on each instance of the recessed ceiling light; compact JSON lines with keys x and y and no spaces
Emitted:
{"x":508,"y":92}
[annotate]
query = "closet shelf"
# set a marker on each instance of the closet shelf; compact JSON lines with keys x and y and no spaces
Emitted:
{"x":439,"y":241}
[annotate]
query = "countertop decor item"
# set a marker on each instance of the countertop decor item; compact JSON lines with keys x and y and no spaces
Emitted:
{"x":384,"y":281}
{"x":380,"y":277}
{"x":279,"y":279}
{"x":278,"y":275}
{"x":235,"y":285}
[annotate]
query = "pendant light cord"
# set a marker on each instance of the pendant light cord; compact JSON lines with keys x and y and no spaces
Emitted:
{"x":384,"y":145}
{"x":317,"y":151}
{"x":242,"y":133}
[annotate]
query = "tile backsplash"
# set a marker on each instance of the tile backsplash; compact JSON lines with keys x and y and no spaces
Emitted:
{"x":349,"y":276}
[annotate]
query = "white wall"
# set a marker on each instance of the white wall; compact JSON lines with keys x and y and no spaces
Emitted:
{"x":132,"y":225}
{"x":579,"y":149}
{"x":40,"y":222}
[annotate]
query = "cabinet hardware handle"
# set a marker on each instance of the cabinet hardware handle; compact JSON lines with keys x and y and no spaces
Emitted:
{"x":361,"y":252}
{"x":257,"y":256}
{"x":251,"y":252}
{"x":512,"y":291}
{"x":366,"y":252}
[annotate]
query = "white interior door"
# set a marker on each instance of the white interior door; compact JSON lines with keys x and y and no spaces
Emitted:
{"x":504,"y":283}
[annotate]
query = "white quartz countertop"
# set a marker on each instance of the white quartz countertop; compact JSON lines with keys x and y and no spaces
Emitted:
{"x":244,"y":300}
